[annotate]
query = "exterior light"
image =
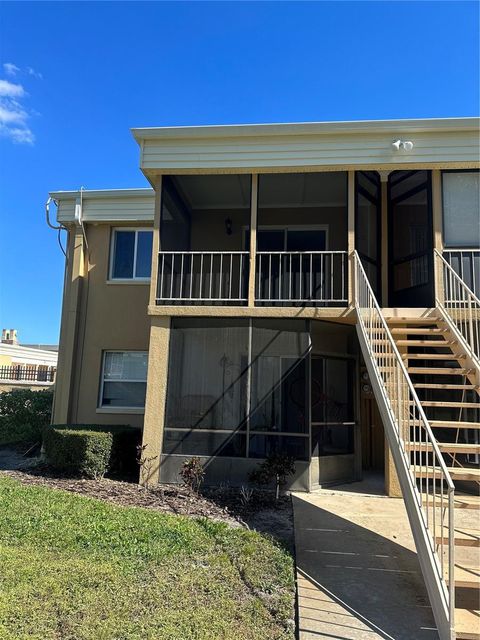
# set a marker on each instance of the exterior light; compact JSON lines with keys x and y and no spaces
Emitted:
{"x":406,"y":145}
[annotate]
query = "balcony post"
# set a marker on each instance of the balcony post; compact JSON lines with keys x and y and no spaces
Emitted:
{"x":351,"y":237}
{"x":437,"y":234}
{"x":156,"y":241}
{"x":253,"y":240}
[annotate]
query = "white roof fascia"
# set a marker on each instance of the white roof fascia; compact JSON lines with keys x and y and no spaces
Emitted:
{"x":106,"y":205}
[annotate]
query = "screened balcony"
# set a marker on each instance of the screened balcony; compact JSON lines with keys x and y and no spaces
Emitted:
{"x":299,"y":257}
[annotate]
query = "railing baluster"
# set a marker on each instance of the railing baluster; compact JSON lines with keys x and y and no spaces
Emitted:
{"x":424,"y":462}
{"x":461,"y":307}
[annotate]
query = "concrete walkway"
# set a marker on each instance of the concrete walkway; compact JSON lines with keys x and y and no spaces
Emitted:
{"x":357,"y":570}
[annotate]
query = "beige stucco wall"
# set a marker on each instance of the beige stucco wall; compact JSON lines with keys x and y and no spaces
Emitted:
{"x":208,"y":227}
{"x":110,"y":316}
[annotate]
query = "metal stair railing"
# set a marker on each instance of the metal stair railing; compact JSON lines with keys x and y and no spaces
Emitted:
{"x":427,"y":487}
{"x":459,"y":307}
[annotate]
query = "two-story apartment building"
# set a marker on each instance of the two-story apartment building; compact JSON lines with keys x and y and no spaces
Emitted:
{"x":310,"y":289}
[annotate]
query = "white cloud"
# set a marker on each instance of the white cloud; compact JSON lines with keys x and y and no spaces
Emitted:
{"x":14,"y":116}
{"x":35,"y":74}
{"x":10,"y":68}
{"x":11,"y":90}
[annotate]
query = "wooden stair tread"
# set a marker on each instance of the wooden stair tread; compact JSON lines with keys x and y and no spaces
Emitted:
{"x":445,"y":447}
{"x":457,"y":473}
{"x":441,"y":403}
{"x":433,"y":356}
{"x":467,"y":576}
{"x":464,"y":537}
{"x":405,"y":320}
{"x":464,"y":501}
{"x":418,"y":330}
{"x":440,"y":385}
{"x":444,"y":371}
{"x":454,"y":424}
{"x":424,"y":343}
{"x":467,"y":624}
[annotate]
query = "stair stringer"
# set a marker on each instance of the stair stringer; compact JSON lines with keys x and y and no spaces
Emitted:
{"x":428,"y":560}
{"x":469,"y":363}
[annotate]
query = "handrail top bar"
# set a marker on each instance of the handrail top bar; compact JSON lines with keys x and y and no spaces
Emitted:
{"x":462,"y":250}
{"x":443,"y":467}
{"x":188,"y":253}
{"x":464,"y":285}
{"x":307,"y":253}
{"x":161,"y":252}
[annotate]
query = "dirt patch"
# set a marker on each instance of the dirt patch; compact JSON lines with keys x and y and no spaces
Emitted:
{"x":256,"y":511}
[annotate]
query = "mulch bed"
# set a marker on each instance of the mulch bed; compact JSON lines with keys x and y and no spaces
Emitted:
{"x":258,"y":511}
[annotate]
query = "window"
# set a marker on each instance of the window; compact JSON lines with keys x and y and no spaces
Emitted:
{"x":237,"y":388}
{"x":131,"y":254}
{"x":124,"y":379}
{"x":461,"y":208}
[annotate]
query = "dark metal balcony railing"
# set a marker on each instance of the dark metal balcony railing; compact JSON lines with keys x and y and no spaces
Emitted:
{"x":193,"y":277}
{"x":299,"y":277}
{"x":287,"y":278}
{"x":27,"y":374}
{"x":466,"y":263}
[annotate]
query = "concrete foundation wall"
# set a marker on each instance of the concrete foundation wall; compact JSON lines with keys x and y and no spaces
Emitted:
{"x":229,"y":471}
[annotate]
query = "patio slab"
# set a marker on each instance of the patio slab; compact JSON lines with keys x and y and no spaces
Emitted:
{"x":357,"y":571}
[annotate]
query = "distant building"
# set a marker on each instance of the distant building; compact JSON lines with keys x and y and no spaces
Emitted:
{"x":26,"y":365}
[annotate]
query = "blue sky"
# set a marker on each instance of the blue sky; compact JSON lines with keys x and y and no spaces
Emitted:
{"x":87,"y":72}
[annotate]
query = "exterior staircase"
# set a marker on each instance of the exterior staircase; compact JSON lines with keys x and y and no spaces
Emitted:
{"x":425,"y":374}
{"x":450,"y":397}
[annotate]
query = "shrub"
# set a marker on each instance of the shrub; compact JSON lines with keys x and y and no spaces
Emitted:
{"x":78,"y":451}
{"x":24,"y":414}
{"x":275,"y":468}
{"x":122,"y":452}
{"x":193,"y":473}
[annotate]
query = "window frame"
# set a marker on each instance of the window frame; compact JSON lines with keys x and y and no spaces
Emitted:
{"x":286,"y":229}
{"x":101,"y":408}
{"x":134,"y":279}
{"x":448,"y":246}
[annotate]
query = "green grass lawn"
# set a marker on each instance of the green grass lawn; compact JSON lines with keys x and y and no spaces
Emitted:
{"x":75,"y":568}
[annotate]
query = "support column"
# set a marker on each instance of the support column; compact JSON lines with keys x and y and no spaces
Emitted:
{"x":154,"y":420}
{"x":72,"y":291}
{"x":437,"y":207}
{"x":384,"y":234}
{"x":156,"y":241}
{"x":351,"y":238}
{"x":253,"y":240}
